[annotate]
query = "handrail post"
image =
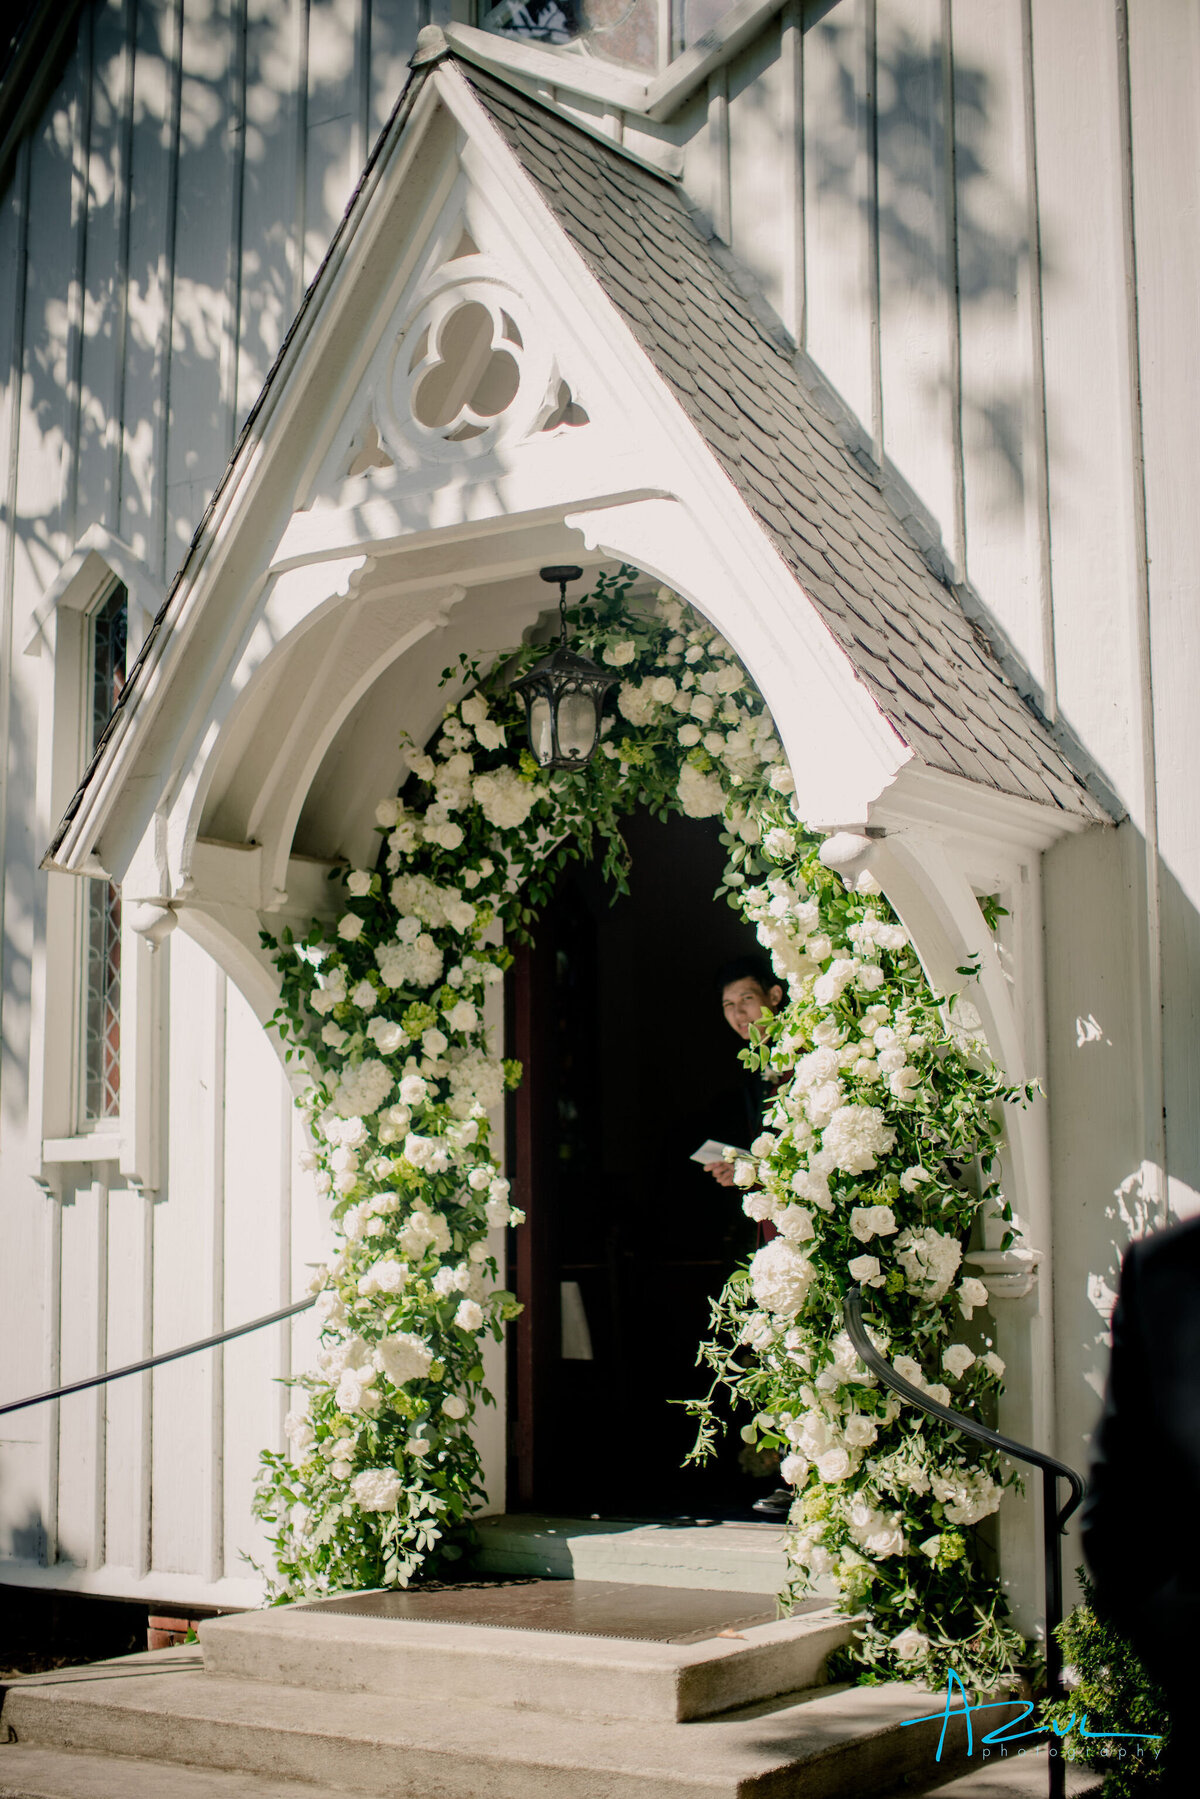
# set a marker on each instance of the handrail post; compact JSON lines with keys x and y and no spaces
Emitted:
{"x":1054,"y":1522}
{"x":1052,"y":1551}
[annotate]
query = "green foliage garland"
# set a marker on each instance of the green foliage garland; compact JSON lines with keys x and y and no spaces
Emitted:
{"x":877,"y":1156}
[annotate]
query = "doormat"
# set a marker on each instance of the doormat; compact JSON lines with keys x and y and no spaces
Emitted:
{"x":583,"y":1608}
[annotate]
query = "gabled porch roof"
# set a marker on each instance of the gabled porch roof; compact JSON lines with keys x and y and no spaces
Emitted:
{"x":928,"y":670}
{"x":927,"y":666}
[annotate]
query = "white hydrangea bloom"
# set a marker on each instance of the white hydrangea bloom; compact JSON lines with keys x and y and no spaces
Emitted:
{"x":504,"y":798}
{"x":968,"y":1495}
{"x":700,"y":795}
{"x":856,"y":1136}
{"x":362,"y":1088}
{"x":402,"y":1357}
{"x":376,"y":1489}
{"x":930,"y":1260}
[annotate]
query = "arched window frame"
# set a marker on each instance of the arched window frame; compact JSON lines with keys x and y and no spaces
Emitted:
{"x":61,"y":1132}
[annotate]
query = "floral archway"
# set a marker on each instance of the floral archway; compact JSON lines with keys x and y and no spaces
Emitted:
{"x":878,"y":1153}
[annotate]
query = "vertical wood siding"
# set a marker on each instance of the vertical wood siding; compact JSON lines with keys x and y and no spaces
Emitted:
{"x":158,"y":230}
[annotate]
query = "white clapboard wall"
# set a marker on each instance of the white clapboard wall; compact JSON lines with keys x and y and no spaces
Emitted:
{"x":145,"y":1486}
{"x":978,"y":220}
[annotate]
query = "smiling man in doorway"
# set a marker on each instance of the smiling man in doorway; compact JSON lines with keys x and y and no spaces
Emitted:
{"x":749,"y":992}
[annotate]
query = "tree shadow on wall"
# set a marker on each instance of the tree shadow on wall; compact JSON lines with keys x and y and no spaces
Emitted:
{"x":897,"y":111}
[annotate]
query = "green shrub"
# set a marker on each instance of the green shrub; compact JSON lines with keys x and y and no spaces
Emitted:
{"x":1109,"y":1687}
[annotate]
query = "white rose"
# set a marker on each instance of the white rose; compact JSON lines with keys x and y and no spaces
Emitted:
{"x":355,"y":1392}
{"x":462,"y":1016}
{"x":865,"y":1270}
{"x":350,"y":928}
{"x":834,"y":1464}
{"x":991,"y":1361}
{"x":364,"y":997}
{"x":387,"y":812}
{"x":454,"y":1406}
{"x":413,"y":1090}
{"x":793,"y":1469}
{"x":491,"y":736}
{"x":911,"y":1644}
{"x":872,"y":1221}
{"x":298,"y":1428}
{"x":702,"y":707}
{"x":469,"y":1316}
{"x":334,"y":1035}
{"x":915,"y":1177}
{"x":358,"y":882}
{"x":473,"y":710}
{"x":782,"y":780}
{"x":971,"y":1293}
{"x":619,"y":655}
{"x":956,"y":1359}
{"x":434,"y":1042}
{"x":780,"y":1277}
{"x":386,"y":1036}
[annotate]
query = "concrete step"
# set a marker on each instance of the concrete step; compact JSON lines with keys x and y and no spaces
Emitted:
{"x":533,"y":1670}
{"x":163,"y":1707}
{"x":736,"y":1558}
{"x":28,"y":1772}
{"x":1016,"y":1777}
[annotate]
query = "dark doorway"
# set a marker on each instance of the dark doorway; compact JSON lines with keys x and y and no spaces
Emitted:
{"x":629,"y":1066}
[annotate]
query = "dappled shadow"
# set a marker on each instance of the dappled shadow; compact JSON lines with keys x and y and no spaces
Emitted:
{"x":907,"y":114}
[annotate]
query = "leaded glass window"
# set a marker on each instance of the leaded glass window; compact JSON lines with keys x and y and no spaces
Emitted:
{"x":641,"y":34}
{"x":102,"y":921}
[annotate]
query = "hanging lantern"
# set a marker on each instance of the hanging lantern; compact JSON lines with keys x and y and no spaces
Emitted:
{"x":563,"y":695}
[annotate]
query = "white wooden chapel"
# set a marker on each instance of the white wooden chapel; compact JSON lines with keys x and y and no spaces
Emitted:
{"x":864,"y":326}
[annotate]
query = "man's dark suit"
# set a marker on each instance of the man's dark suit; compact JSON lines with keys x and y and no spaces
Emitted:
{"x":1141,"y":1517}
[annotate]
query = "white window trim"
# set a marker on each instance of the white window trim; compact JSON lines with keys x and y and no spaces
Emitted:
{"x":129,"y":1143}
{"x":571,"y":68}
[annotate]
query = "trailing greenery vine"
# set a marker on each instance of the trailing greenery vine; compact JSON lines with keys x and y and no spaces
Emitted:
{"x":879,"y":1150}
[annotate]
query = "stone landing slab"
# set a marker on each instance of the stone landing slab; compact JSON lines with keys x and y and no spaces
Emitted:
{"x":742,"y":1558}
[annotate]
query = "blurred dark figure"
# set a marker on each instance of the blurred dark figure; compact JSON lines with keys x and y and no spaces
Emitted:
{"x":1141,"y":1517}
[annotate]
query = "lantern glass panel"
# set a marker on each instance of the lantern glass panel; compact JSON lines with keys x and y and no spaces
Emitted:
{"x":541,"y":732}
{"x":576,"y":726}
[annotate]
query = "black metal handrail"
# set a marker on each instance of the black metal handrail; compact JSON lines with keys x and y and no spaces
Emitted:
{"x":1054,"y":1521}
{"x":156,"y":1361}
